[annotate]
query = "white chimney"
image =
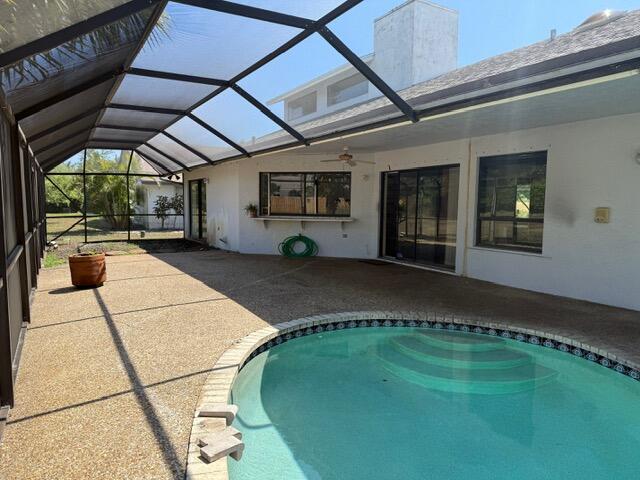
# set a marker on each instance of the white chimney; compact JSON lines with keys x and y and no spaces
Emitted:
{"x":414,"y":42}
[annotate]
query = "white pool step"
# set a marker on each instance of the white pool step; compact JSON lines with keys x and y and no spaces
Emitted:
{"x":219,"y":410}
{"x":223,"y":446}
{"x":460,"y":341}
{"x":212,"y":438}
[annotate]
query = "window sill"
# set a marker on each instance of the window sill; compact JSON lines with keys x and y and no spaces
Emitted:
{"x":303,"y":219}
{"x":511,"y":252}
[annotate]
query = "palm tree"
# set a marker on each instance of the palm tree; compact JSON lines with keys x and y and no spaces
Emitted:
{"x":56,"y":14}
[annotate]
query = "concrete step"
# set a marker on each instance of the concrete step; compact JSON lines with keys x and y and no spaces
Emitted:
{"x":460,"y":341}
{"x":505,"y":357}
{"x":463,"y":380}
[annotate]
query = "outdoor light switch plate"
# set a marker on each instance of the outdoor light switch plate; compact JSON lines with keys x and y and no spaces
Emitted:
{"x":602,"y":215}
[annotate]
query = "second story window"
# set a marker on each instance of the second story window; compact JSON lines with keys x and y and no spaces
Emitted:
{"x":346,"y":89}
{"x":303,"y":106}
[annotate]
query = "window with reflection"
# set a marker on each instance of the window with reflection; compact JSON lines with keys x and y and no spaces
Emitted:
{"x":346,"y":89}
{"x":303,"y":106}
{"x":311,"y":194}
{"x":511,"y":194}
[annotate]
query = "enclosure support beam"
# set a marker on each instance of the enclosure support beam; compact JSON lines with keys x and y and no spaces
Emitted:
{"x":184,"y":145}
{"x":218,"y":134}
{"x":66,"y":94}
{"x":272,"y":116}
{"x":251,"y":12}
{"x":62,"y":140}
{"x":157,"y":164}
{"x":55,"y":128}
{"x":143,"y":72}
{"x":140,"y":108}
{"x":173,"y":159}
{"x":369,"y":74}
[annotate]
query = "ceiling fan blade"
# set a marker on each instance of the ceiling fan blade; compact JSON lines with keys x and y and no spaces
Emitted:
{"x":331,"y":160}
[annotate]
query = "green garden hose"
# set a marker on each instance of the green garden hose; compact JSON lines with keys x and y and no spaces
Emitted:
{"x":288,"y":247}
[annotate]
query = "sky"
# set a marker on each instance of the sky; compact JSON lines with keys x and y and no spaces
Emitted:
{"x":212,"y":44}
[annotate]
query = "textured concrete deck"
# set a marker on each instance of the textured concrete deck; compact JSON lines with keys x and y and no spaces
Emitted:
{"x":109,"y":378}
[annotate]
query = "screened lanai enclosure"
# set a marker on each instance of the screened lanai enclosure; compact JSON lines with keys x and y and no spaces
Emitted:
{"x":106,"y":102}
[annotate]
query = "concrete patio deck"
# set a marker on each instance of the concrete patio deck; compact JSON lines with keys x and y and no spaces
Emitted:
{"x":109,"y":378}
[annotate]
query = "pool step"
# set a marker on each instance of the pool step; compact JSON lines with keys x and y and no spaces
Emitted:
{"x":464,"y":380}
{"x":460,"y":341}
{"x":470,"y":359}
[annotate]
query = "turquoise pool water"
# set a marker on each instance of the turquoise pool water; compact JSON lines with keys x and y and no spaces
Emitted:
{"x":411,"y":403}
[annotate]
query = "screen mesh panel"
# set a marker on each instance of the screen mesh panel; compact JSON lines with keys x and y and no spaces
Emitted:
{"x":202,"y":42}
{"x":112,"y":145}
{"x":47,"y":74}
{"x":177,"y":151}
{"x":161,"y":159}
{"x":201,"y":139}
{"x":132,"y":118}
{"x":84,"y":124}
{"x":140,"y":166}
{"x":54,"y":152}
{"x":237,"y":119}
{"x":117,"y":134}
{"x":71,"y":164}
{"x":158,"y":92}
{"x":300,"y":8}
{"x":69,"y":108}
{"x":44,"y":17}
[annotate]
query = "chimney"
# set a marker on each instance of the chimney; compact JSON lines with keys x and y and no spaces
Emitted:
{"x":414,"y":42}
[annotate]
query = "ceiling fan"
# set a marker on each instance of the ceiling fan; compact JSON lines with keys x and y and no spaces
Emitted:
{"x":347,"y":158}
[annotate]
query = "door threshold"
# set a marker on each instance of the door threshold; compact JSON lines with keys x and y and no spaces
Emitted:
{"x":419,"y":266}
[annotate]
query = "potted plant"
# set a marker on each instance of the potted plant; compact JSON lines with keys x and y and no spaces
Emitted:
{"x":252,"y":210}
{"x":88,"y":269}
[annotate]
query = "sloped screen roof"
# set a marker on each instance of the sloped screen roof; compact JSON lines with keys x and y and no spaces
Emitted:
{"x":190,"y":82}
{"x":175,"y":80}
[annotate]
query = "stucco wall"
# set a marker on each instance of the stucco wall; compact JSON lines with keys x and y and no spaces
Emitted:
{"x":590,"y":164}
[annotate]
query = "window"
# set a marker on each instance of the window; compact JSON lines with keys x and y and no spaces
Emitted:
{"x":300,"y":107}
{"x":313,"y":194}
{"x":511,"y":194}
{"x":346,"y":89}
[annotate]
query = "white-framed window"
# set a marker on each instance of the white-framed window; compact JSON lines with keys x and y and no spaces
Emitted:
{"x":511,"y":194}
{"x":346,"y":89}
{"x":303,"y":106}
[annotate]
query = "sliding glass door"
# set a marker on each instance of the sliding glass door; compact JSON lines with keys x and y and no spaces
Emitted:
{"x":198,"y":210}
{"x":420,"y":215}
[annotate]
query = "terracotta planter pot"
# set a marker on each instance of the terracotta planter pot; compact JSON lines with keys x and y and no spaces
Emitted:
{"x":88,"y":269}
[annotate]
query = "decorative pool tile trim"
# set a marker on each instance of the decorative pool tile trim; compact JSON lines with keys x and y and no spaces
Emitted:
{"x":217,"y":387}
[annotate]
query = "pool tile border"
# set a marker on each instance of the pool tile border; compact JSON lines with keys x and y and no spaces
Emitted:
{"x":217,"y":387}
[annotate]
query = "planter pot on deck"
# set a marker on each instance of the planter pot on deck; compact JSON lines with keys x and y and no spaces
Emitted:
{"x":88,"y":269}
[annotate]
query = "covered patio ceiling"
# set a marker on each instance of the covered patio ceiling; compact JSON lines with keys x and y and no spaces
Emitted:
{"x":165,"y":78}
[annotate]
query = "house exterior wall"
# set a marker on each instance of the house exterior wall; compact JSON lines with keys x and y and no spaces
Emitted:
{"x":590,"y":164}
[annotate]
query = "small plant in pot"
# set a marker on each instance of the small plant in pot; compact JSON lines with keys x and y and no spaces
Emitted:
{"x":88,"y":269}
{"x":252,"y":210}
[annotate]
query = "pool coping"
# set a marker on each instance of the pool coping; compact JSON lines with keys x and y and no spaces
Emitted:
{"x":217,"y":386}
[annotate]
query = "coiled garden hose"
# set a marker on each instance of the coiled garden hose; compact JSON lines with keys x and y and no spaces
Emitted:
{"x":288,"y":247}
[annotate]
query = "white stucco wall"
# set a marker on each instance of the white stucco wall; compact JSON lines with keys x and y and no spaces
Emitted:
{"x":590,"y":164}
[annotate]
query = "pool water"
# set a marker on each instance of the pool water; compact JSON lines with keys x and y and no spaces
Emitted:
{"x":411,"y":403}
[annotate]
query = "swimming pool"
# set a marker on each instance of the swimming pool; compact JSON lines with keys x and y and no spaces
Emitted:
{"x":412,"y":403}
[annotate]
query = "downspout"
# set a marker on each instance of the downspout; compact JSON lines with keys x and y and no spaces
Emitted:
{"x":466,"y":207}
